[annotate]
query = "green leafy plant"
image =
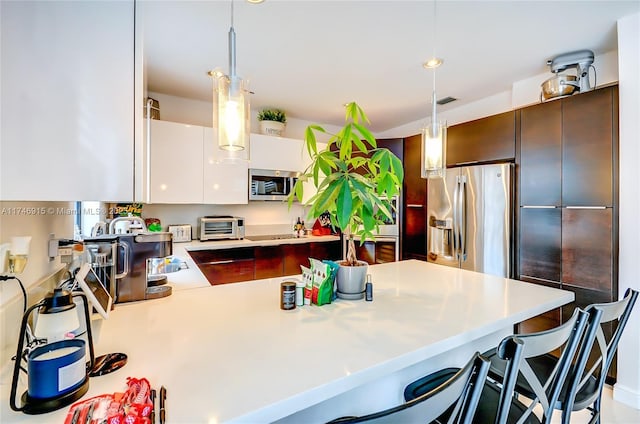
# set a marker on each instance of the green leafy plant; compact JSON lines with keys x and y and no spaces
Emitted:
{"x":355,"y":180}
{"x":272,"y":115}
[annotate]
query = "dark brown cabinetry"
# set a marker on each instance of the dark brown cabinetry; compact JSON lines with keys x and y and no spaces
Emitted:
{"x":225,"y":265}
{"x":587,"y":148}
{"x":541,"y":244}
{"x":414,"y":205}
{"x":490,"y":139}
{"x":587,"y":249}
{"x":222,"y":266}
{"x":294,"y":256}
{"x":568,"y":203}
{"x":376,"y":252}
{"x":269,"y":261}
{"x":541,"y":154}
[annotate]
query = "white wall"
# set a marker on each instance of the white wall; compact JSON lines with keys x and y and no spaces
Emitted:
{"x":523,"y":93}
{"x":627,"y":389}
{"x":198,"y":112}
{"x":38,"y":220}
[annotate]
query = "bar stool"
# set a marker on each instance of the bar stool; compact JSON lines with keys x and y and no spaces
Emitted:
{"x":497,"y":402}
{"x":583,"y":388}
{"x":459,"y":394}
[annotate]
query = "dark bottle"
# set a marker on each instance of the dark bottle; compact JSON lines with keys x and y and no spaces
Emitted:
{"x":368,"y":289}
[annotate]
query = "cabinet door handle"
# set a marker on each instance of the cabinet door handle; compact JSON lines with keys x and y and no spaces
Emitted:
{"x":414,"y":205}
{"x":217,"y":262}
{"x":538,"y":279}
{"x":538,"y":207}
{"x":585,"y":207}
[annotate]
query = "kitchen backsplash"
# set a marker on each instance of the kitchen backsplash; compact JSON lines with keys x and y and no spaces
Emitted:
{"x":259,"y":216}
{"x":38,"y":220}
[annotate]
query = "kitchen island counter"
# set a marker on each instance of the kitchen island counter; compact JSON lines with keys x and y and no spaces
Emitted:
{"x":228,"y":353}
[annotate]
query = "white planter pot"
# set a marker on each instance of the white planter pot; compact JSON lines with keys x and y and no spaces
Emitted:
{"x":272,"y":128}
{"x":350,"y":281}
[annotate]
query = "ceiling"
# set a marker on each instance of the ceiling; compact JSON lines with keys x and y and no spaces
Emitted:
{"x":311,"y":57}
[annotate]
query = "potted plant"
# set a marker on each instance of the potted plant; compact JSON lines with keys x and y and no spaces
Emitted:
{"x":355,"y":182}
{"x":272,"y":121}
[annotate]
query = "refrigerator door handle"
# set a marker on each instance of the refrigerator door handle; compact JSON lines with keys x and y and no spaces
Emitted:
{"x":462,"y":205}
{"x":455,"y":219}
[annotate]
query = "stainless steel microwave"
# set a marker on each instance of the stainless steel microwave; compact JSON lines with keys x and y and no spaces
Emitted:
{"x":268,"y":184}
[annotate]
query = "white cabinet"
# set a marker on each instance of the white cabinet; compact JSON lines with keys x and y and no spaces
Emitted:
{"x":67,"y":101}
{"x":224,"y":183}
{"x":176,"y":165}
{"x":279,"y":153}
{"x":185,"y":167}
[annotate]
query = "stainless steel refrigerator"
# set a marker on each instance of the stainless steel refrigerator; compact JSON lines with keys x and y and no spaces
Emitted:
{"x":470,"y":216}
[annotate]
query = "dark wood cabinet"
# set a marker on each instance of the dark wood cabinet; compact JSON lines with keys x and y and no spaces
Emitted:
{"x":541,"y":154}
{"x":541,"y":244}
{"x":414,"y":205}
{"x":225,"y":265}
{"x":376,"y":252}
{"x":269,"y":261}
{"x":587,"y":248}
{"x":588,"y":148}
{"x":489,"y":139}
{"x":331,"y":250}
{"x":222,"y":266}
{"x":294,"y":256}
{"x":568,"y":158}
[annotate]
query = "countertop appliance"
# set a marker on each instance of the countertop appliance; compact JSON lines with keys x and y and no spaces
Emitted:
{"x":220,"y":227}
{"x":268,"y":184}
{"x":181,"y":232}
{"x":469,"y":216}
{"x":140,"y":247}
{"x":563,"y":85}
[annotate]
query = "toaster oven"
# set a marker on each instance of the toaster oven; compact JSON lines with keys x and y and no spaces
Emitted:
{"x":220,"y":227}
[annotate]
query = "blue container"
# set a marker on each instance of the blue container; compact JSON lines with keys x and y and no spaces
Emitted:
{"x":56,"y":369}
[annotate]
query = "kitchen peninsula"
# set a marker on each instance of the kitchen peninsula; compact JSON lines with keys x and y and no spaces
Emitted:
{"x":228,"y":353}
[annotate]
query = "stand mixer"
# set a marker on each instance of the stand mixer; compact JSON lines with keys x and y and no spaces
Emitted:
{"x":562,"y":85}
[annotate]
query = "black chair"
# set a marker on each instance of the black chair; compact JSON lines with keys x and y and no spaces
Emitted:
{"x":583,"y":388}
{"x":497,"y":402}
{"x":459,"y":394}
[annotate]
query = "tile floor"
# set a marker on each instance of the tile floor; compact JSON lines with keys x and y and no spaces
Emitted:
{"x":612,"y":412}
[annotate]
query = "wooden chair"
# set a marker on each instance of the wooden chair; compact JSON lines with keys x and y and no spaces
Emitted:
{"x":497,"y":402}
{"x":459,"y":394}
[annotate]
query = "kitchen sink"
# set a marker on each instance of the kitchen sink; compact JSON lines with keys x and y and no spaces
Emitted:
{"x":271,"y":237}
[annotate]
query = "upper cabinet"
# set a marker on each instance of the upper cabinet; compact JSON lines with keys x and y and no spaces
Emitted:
{"x":176,"y":163}
{"x":277,"y":153}
{"x":223,"y":183}
{"x":185,"y":167}
{"x":541,"y":154}
{"x":67,"y":101}
{"x":484,"y":140}
{"x":588,"y":124}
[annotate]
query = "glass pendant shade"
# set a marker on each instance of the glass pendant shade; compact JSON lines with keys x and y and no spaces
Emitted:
{"x":231,"y":114}
{"x":434,"y":150}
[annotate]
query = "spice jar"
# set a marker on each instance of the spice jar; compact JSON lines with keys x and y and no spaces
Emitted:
{"x":287,"y":295}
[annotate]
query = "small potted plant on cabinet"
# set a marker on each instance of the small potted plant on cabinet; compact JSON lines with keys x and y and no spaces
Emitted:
{"x":355,"y":182}
{"x":272,"y":121}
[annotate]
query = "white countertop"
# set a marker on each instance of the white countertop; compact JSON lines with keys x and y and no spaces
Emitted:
{"x":228,"y":353}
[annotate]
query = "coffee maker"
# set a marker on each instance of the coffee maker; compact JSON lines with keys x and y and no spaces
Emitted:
{"x":137,"y":249}
{"x":102,"y":254}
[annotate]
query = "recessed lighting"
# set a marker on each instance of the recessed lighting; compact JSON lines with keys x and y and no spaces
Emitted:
{"x":433,"y":63}
{"x":255,"y":1}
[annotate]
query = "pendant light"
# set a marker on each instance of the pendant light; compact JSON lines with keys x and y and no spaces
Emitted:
{"x":231,"y":111}
{"x":434,"y":135}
